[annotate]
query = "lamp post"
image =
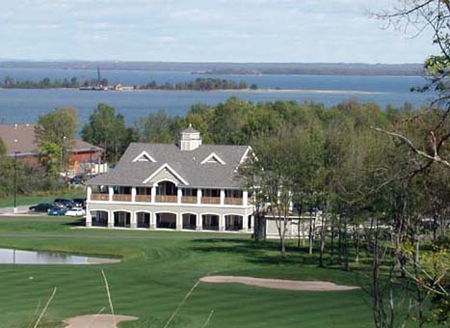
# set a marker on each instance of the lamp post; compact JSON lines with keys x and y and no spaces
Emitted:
{"x":63,"y":157}
{"x":15,"y":181}
{"x":90,"y":162}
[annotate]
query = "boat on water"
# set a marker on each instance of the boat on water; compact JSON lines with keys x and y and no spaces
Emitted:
{"x":97,"y":88}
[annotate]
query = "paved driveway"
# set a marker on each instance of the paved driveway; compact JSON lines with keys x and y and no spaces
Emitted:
{"x":10,"y":210}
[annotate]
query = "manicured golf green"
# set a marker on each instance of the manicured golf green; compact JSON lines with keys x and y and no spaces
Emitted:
{"x":157,"y":271}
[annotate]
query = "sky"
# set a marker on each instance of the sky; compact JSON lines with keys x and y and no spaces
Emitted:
{"x":205,"y":31}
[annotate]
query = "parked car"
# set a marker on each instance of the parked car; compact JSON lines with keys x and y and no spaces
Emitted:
{"x":76,"y":211}
{"x":43,"y":207}
{"x":78,"y":179}
{"x":57,"y":211}
{"x":62,"y":202}
{"x":80,"y":202}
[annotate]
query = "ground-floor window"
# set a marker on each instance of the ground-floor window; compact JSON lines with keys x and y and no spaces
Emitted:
{"x":189,"y":221}
{"x":143,"y":219}
{"x":233,"y":222}
{"x":122,"y":219}
{"x":99,"y":218}
{"x":166,"y":220}
{"x":210,"y":222}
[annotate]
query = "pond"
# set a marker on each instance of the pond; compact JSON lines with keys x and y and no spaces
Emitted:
{"x":14,"y":256}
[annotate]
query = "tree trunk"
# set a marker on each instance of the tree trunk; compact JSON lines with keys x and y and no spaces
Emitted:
{"x":356,"y":243}
{"x":310,"y":237}
{"x":322,"y":239}
{"x":332,"y":245}
{"x":339,"y":243}
{"x":283,"y":249}
{"x":345,"y":250}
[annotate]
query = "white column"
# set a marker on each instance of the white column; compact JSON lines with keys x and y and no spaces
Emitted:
{"x":133,"y":194}
{"x":110,"y":219}
{"x":88,"y":218}
{"x":152,"y":220}
{"x":111,"y":193}
{"x":179,"y":221}
{"x":245,"y":222}
{"x":153,"y":194}
{"x":252,"y":222}
{"x":179,"y":195}
{"x":133,"y":219}
{"x":245,"y":197}
{"x":199,"y":196}
{"x":199,"y":222}
{"x":222,"y":222}
{"x":291,"y":203}
{"x":222,"y":197}
{"x":89,"y":193}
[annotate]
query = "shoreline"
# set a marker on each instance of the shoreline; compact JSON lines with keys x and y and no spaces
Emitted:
{"x":303,"y":91}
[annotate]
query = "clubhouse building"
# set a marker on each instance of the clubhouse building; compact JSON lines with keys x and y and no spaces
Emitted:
{"x":183,"y":186}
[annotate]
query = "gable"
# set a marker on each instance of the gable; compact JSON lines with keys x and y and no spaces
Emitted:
{"x":213,"y":158}
{"x":144,"y":157}
{"x":166,"y":173}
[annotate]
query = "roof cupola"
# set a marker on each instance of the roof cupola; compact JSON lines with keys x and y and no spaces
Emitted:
{"x":189,"y":139}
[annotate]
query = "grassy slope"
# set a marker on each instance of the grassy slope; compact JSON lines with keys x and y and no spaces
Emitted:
{"x":157,"y":271}
{"x":28,"y":200}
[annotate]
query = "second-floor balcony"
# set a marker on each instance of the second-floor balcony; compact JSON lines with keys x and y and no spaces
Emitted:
{"x":100,"y":197}
{"x":144,"y":198}
{"x":189,"y":199}
{"x":166,"y":199}
{"x":234,"y":201}
{"x":167,"y":192}
{"x":122,"y":197}
{"x":210,"y":200}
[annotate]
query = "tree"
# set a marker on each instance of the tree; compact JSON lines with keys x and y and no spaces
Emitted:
{"x":421,"y":15}
{"x":269,"y":170}
{"x":159,"y":127}
{"x":107,"y":129}
{"x":50,"y":156}
{"x":3,"y":149}
{"x":58,"y":127}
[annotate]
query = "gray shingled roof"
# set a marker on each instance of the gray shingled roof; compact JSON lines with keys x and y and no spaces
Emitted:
{"x":186,"y":163}
{"x":21,"y":138}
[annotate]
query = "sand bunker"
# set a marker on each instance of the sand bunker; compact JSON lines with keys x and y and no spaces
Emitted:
{"x":311,"y":286}
{"x":97,"y":321}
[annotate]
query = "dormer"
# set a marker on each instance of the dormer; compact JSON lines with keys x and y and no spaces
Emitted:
{"x":213,"y":158}
{"x":144,"y":157}
{"x":189,"y":139}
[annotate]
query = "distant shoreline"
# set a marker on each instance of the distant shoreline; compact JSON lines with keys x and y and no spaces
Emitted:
{"x":224,"y":68}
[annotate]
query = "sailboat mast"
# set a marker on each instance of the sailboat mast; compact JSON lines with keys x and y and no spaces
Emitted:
{"x":98,"y":75}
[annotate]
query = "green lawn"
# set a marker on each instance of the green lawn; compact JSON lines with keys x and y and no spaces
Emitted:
{"x":158,"y":269}
{"x":29,"y":200}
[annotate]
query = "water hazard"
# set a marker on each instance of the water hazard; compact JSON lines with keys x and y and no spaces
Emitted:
{"x":14,"y":256}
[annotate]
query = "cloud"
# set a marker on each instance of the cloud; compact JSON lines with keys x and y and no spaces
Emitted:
{"x":197,"y":30}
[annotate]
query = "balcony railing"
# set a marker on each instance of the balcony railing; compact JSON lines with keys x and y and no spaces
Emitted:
{"x":102,"y":197}
{"x":233,"y":201}
{"x":189,"y":199}
{"x":165,"y":199}
{"x":210,"y":200}
{"x":144,"y":198}
{"x":122,"y":198}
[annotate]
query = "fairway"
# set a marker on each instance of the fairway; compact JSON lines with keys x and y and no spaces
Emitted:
{"x":157,"y":271}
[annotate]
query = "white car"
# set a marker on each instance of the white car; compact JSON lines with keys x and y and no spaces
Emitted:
{"x":76,"y":211}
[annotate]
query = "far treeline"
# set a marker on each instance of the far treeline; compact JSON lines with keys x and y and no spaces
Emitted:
{"x":199,"y":84}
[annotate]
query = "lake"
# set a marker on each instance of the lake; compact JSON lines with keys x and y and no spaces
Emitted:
{"x":24,"y":106}
{"x":13,"y":256}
